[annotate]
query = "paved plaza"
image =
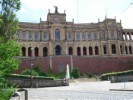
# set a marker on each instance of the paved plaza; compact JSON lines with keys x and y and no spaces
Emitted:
{"x":84,"y":90}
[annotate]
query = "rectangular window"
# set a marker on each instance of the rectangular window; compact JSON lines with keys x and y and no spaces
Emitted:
{"x":83,"y":36}
{"x":78,"y":36}
{"x":23,"y":36}
{"x":95,"y":36}
{"x":89,"y":36}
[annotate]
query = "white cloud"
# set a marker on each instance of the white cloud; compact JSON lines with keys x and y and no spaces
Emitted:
{"x":88,"y":10}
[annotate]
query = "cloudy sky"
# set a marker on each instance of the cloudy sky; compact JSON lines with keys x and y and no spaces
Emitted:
{"x":83,"y":11}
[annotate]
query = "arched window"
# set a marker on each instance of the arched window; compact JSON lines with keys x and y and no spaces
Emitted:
{"x":121,"y":49}
{"x":23,"y":51}
{"x":30,"y":36}
{"x":84,"y":51}
{"x":90,"y":51}
{"x":45,"y":51}
{"x":36,"y":51}
{"x":78,"y":51}
{"x":70,"y":51}
{"x":58,"y":50}
{"x":95,"y":36}
{"x":83,"y":36}
{"x":89,"y":36}
{"x":23,"y":36}
{"x":113,"y":49}
{"x":78,"y":36}
{"x":96,"y":50}
{"x":29,"y":51}
{"x":57,"y":34}
{"x":36,"y":36}
{"x":130,"y":49}
{"x":104,"y":49}
{"x":124,"y":36}
{"x":126,"y":50}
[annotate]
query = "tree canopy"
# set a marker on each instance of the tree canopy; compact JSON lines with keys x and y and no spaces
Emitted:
{"x":9,"y":48}
{"x":8,"y":20}
{"x":8,"y":53}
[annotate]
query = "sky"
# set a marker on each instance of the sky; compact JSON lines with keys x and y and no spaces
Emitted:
{"x":82,"y":11}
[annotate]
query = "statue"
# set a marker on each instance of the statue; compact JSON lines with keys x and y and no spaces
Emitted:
{"x":56,"y":9}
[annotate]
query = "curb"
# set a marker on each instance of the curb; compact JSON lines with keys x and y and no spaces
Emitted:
{"x":121,"y":89}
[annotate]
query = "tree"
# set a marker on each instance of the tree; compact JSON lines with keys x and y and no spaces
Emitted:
{"x":8,"y":53}
{"x":8,"y":20}
{"x":8,"y":64}
{"x":9,"y":48}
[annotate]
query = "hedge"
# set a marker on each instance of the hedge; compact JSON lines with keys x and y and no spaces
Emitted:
{"x":28,"y":77}
{"x":106,"y":75}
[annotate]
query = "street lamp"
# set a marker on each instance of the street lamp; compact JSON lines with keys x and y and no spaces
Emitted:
{"x":31,"y":77}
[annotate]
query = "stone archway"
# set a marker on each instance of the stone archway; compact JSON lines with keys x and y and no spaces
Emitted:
{"x":57,"y":50}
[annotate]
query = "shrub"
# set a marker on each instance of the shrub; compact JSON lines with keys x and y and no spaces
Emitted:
{"x":28,"y":77}
{"x":75,"y":73}
{"x":28,"y":72}
{"x":90,"y":75}
{"x":36,"y":68}
{"x":108,"y":75}
{"x":5,"y":90}
{"x":43,"y":73}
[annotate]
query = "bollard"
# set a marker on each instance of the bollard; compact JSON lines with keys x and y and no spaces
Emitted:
{"x":16,"y":94}
{"x":26,"y":93}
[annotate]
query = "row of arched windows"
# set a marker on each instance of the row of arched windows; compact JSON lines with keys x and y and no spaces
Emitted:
{"x":128,"y":50}
{"x":79,"y":50}
{"x":36,"y":51}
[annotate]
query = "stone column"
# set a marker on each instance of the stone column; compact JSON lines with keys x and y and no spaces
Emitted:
{"x":75,"y":50}
{"x":93,"y":49}
{"x":118,"y":48}
{"x":109,"y":49}
{"x":33,"y":51}
{"x":66,"y":47}
{"x":100,"y":49}
{"x":26,"y":51}
{"x":40,"y":50}
{"x":128,"y":50}
{"x":124,"y":50}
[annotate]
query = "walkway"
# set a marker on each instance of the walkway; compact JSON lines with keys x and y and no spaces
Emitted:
{"x":84,"y":89}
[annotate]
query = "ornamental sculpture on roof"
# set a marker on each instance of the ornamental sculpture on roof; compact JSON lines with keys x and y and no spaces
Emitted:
{"x":56,"y":9}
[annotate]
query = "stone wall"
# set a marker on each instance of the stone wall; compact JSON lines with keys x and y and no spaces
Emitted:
{"x":124,"y":78}
{"x":26,"y":83}
{"x":98,"y":65}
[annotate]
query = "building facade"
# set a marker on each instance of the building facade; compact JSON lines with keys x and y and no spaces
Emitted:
{"x":56,"y":36}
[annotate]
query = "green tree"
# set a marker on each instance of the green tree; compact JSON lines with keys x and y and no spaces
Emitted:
{"x":9,"y":48}
{"x":8,"y":20}
{"x":9,"y":51}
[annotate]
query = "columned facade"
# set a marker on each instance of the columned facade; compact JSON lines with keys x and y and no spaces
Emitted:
{"x":56,"y":36}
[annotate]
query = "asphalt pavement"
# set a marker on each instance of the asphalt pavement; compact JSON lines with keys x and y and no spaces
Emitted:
{"x":84,"y":89}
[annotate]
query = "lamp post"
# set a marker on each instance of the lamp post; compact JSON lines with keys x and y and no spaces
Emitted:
{"x":31,"y":77}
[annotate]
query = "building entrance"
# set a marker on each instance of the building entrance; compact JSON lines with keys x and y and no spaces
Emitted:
{"x":58,"y":50}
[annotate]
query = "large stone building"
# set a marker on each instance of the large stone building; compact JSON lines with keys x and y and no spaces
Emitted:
{"x":56,"y":36}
